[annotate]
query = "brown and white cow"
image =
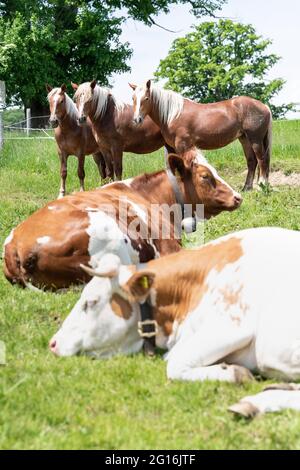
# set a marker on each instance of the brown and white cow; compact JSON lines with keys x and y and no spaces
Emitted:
{"x":221,"y":311}
{"x":47,"y":248}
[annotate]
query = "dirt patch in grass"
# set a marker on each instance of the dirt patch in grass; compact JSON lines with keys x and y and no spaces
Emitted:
{"x":279,"y":178}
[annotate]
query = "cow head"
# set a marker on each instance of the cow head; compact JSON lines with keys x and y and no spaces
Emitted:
{"x":202,"y":185}
{"x":104,"y":320}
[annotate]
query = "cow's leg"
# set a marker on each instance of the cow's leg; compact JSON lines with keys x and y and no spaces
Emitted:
{"x":251,"y":162}
{"x":80,"y":171}
{"x":100,"y":162}
{"x":63,"y":156}
{"x":274,"y":398}
{"x":194,"y":357}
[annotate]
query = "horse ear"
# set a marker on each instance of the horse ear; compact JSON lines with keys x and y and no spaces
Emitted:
{"x":148,"y":84}
{"x":74,"y":86}
{"x":93,"y":84}
{"x":63,"y":87}
{"x":176,"y":165}
{"x":139,"y":284}
{"x":49,"y":87}
{"x":132,"y":86}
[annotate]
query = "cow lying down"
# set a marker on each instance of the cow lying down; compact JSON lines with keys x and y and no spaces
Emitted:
{"x":47,"y":248}
{"x":221,"y":311}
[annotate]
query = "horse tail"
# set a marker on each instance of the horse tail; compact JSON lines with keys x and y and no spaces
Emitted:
{"x":268,"y":142}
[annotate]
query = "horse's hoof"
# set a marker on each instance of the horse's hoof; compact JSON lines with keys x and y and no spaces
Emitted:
{"x":247,"y":188}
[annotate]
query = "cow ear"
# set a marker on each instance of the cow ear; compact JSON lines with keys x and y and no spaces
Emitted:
{"x":93,"y":84}
{"x":49,"y":87}
{"x":148,"y":84}
{"x":63,"y":87}
{"x":132,"y":85}
{"x":140,"y":283}
{"x":177,"y":165}
{"x":74,"y":86}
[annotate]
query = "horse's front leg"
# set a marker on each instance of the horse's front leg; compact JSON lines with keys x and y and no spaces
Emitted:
{"x":189,"y":154}
{"x":117,"y":158}
{"x":80,"y":171}
{"x":63,"y":157}
{"x":100,"y":162}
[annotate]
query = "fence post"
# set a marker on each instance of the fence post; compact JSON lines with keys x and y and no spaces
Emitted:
{"x":28,"y":121}
{"x":1,"y":130}
{"x":2,"y":106}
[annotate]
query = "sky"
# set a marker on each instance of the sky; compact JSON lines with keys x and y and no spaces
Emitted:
{"x":278,"y":20}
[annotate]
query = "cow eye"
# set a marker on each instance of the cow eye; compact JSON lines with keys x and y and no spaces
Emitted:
{"x":146,"y":99}
{"x":89,"y":304}
{"x":205,"y":177}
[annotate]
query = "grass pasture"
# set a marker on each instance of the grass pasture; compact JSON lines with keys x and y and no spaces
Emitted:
{"x":124,"y":402}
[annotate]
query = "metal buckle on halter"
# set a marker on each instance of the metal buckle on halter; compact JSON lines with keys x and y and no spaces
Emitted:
{"x":151,"y":328}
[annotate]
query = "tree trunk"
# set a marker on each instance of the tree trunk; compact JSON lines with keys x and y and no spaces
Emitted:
{"x":39,"y":114}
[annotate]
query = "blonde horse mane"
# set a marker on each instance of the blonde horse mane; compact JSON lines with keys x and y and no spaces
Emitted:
{"x":99,"y":97}
{"x":169,"y":103}
{"x":70,"y":105}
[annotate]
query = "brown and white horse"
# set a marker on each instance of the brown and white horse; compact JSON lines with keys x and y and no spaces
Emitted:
{"x":185,"y":125}
{"x":113,"y":125}
{"x":71,"y":139}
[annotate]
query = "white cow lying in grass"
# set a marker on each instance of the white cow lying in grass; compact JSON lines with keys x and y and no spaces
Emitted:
{"x":222,"y":310}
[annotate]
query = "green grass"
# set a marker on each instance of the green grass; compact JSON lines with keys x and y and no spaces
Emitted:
{"x":124,"y":402}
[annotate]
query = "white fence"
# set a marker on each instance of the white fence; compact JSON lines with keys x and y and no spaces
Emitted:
{"x":28,"y":129}
{"x":2,"y":107}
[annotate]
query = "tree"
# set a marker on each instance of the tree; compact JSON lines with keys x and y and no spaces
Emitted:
{"x":219,"y":60}
{"x":58,"y":40}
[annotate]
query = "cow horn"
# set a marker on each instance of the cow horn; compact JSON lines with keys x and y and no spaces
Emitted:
{"x":93,"y":272}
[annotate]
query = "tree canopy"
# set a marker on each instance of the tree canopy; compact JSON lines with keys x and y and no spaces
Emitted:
{"x":58,"y":40}
{"x":219,"y":60}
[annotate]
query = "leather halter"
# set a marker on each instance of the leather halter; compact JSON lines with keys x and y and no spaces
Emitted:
{"x":147,"y":328}
{"x":176,"y":190}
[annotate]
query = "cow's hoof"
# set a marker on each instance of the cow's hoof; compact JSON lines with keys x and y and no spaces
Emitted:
{"x":244,"y":409}
{"x":242,"y":374}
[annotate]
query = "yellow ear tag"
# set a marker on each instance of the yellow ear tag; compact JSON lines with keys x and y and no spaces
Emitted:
{"x":144,"y":282}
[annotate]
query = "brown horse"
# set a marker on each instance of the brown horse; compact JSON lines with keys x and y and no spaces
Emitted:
{"x":71,"y":138}
{"x":185,"y":125}
{"x":113,"y":125}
